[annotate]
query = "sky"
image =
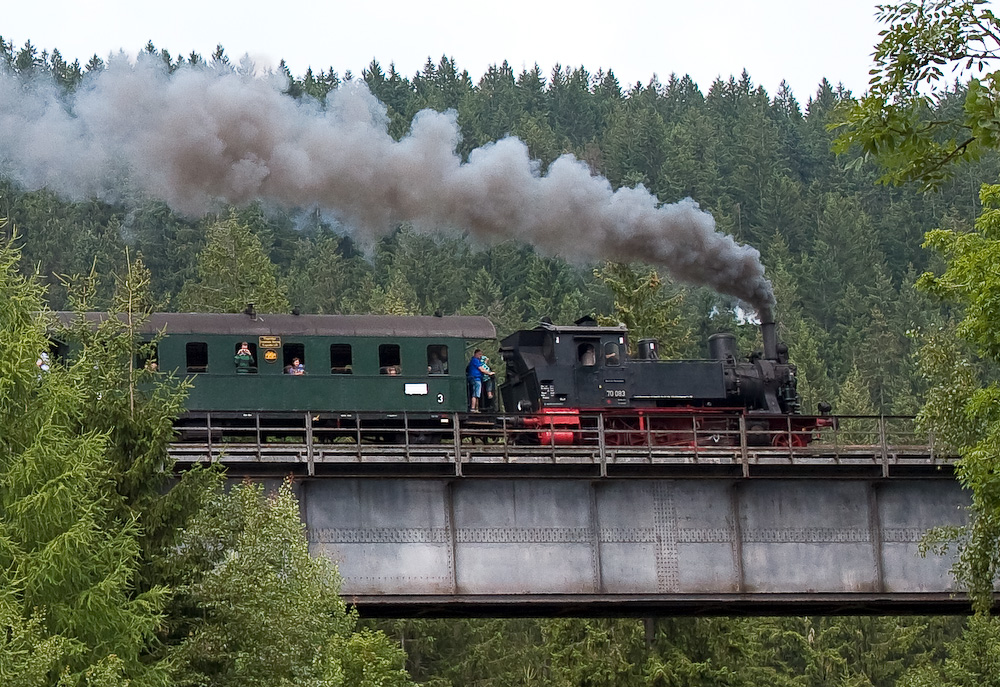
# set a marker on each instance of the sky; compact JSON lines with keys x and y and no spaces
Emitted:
{"x":799,"y":41}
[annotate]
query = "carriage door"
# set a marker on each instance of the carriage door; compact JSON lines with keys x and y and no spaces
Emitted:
{"x":587,"y":371}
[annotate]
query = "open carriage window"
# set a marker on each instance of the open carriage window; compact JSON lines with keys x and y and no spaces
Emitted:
{"x":245,"y":357}
{"x":437,"y":360}
{"x":294,"y":357}
{"x":196,"y":355}
{"x":146,"y":357}
{"x":388,"y":359}
{"x":586,"y":354}
{"x":341,"y":359}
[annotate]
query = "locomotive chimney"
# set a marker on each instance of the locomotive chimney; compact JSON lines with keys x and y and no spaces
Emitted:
{"x":769,"y":332}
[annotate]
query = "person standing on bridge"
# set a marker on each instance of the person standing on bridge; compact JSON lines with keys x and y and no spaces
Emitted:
{"x":474,"y":375}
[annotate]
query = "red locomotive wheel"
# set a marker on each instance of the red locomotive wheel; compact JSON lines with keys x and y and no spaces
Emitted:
{"x":798,"y":440}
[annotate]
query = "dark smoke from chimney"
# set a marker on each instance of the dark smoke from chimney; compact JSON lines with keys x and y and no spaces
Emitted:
{"x":201,"y":137}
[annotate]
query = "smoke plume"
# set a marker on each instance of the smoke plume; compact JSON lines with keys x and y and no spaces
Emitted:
{"x":200,"y":137}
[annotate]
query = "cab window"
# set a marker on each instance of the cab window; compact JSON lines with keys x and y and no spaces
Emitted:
{"x":611,"y":355}
{"x":586,"y":355}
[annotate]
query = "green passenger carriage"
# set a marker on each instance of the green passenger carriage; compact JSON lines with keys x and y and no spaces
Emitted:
{"x":357,"y":368}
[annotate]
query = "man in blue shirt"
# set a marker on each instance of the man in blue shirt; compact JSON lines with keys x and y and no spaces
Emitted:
{"x":474,"y":375}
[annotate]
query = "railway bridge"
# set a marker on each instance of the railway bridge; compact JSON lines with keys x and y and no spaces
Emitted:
{"x":473,"y":520}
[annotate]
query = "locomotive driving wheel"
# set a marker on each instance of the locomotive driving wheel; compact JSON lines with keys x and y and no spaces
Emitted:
{"x":619,"y":431}
{"x":793,"y":440}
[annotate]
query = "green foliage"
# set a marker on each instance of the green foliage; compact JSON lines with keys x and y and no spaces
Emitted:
{"x":898,"y":121}
{"x":674,"y":652}
{"x":971,"y":278}
{"x":268,"y":613}
{"x":321,"y":279}
{"x":233,"y":270}
{"x":965,"y":413}
{"x":70,"y":548}
{"x":642,"y":304}
{"x":973,"y":659}
{"x":107,"y":577}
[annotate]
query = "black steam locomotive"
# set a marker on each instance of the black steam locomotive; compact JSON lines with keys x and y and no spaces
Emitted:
{"x":558,"y":375}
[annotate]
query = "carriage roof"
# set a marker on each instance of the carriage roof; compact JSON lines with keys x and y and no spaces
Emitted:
{"x":263,"y":324}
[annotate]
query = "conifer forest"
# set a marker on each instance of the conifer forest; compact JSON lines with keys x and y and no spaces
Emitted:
{"x":875,"y":215}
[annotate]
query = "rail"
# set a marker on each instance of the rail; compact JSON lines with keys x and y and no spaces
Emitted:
{"x":597,"y":444}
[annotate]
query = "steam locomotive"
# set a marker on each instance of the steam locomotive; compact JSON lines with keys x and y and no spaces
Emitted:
{"x":558,"y":375}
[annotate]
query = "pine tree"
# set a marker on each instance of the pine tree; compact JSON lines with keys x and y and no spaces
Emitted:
{"x":269,"y":612}
{"x":71,"y":555}
{"x":233,"y":271}
{"x":644,"y":304}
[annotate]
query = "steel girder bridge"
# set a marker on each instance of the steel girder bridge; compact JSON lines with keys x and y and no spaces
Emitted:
{"x":474,"y":521}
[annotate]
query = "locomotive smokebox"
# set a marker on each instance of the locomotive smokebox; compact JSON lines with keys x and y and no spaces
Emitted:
{"x":769,"y":332}
{"x":722,"y":346}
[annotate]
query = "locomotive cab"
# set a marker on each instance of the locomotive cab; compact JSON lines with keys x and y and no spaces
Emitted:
{"x":565,"y":367}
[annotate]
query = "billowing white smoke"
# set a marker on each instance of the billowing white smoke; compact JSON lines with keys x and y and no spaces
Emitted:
{"x":199,"y":137}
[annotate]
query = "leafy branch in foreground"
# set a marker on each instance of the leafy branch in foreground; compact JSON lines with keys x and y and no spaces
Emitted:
{"x":904,"y":121}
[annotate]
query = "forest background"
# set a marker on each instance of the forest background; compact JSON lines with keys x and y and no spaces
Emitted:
{"x":843,"y":252}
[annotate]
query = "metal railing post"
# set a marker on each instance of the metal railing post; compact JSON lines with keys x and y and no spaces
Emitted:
{"x":208,"y":428}
{"x":883,"y":445}
{"x":744,"y":454}
{"x":552,"y":438}
{"x":256,"y":421}
{"x":309,"y":445}
{"x":601,"y":447}
{"x":357,"y":426}
{"x":457,"y":435}
{"x":791,"y":439}
{"x":649,"y":439}
{"x":694,"y":435}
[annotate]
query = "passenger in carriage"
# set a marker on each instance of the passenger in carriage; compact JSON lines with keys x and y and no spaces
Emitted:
{"x":243,"y":359}
{"x":434,"y":364}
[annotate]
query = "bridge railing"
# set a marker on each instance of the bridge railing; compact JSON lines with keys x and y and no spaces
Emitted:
{"x":621,"y":441}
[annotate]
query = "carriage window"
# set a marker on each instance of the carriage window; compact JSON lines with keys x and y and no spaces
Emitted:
{"x":146,"y":357}
{"x":586,"y":355}
{"x":245,"y":357}
{"x":611,"y":358}
{"x":58,"y":350}
{"x":294,"y":357}
{"x":437,"y":360}
{"x":341,"y":359}
{"x":196,"y":353}
{"x":388,"y":359}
